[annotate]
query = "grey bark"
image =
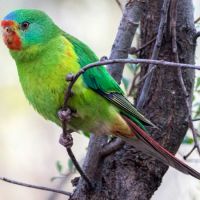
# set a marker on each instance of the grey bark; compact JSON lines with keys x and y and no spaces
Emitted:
{"x":127,"y":28}
{"x":128,"y":174}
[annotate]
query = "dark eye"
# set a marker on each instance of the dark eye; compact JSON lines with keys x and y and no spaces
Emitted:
{"x":24,"y":25}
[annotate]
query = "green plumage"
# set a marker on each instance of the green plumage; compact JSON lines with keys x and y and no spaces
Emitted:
{"x":44,"y":55}
{"x":43,"y":65}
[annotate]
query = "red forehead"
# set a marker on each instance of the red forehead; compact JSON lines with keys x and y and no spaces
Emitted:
{"x":5,"y":23}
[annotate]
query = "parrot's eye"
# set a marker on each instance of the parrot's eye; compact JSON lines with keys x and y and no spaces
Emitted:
{"x":25,"y":25}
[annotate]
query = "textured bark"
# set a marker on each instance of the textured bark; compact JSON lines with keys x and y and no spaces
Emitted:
{"x":128,"y":174}
{"x":127,"y":28}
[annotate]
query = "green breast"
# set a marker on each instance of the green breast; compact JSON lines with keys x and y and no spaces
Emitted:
{"x":43,"y":79}
{"x":43,"y":82}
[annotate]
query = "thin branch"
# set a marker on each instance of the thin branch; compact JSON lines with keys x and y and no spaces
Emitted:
{"x":73,"y":79}
{"x":197,"y":20}
{"x":133,"y":50}
{"x":119,"y":4}
{"x":147,"y":84}
{"x":189,"y":153}
{"x":195,"y":135}
{"x":173,"y":17}
{"x":112,"y":147}
{"x":196,"y":119}
{"x":78,"y":167}
{"x":196,"y":36}
{"x":126,"y":31}
{"x":127,"y":28}
{"x":124,"y":61}
{"x":146,"y":75}
{"x":34,"y":186}
{"x":133,"y":84}
{"x":67,"y":141}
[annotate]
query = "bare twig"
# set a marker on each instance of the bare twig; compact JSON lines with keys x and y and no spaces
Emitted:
{"x":105,"y":62}
{"x":133,"y":50}
{"x":34,"y":186}
{"x":114,"y":61}
{"x":195,"y":135}
{"x":147,"y":84}
{"x":127,"y":28}
{"x":189,"y":153}
{"x":61,"y":183}
{"x":197,"y":20}
{"x":196,"y":36}
{"x":126,"y":31}
{"x":196,"y":119}
{"x":66,"y":136}
{"x":112,"y":147}
{"x":78,"y":167}
{"x":133,"y":84}
{"x":146,"y":75}
{"x":119,"y":4}
{"x":173,"y":16}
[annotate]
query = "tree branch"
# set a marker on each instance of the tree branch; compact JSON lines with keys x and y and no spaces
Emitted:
{"x":147,"y":84}
{"x":127,"y":28}
{"x":133,"y":50}
{"x":163,"y":63}
{"x":139,"y":173}
{"x":119,"y":4}
{"x":196,"y":119}
{"x":126,"y":31}
{"x":197,"y":20}
{"x":173,"y":17}
{"x":195,"y":137}
{"x":73,"y":79}
{"x":112,"y":147}
{"x":196,"y":36}
{"x":34,"y":186}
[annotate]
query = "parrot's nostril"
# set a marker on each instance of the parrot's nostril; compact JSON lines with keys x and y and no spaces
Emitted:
{"x":8,"y":29}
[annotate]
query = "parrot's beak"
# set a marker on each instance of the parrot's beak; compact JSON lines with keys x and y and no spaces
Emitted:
{"x":10,"y":36}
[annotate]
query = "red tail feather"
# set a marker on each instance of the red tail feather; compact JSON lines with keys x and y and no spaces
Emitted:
{"x":149,"y":146}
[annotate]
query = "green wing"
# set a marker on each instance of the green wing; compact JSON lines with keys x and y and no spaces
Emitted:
{"x":96,"y":78}
{"x":102,"y":82}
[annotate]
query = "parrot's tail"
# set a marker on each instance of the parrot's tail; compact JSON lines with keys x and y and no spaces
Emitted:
{"x":149,"y":146}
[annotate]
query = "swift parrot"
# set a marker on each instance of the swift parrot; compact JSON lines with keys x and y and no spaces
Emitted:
{"x":45,"y":54}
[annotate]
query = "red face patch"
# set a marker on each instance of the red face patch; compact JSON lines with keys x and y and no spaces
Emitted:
{"x":5,"y":23}
{"x":10,"y":37}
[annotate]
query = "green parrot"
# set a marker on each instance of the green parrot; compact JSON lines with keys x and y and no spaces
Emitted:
{"x":45,"y":54}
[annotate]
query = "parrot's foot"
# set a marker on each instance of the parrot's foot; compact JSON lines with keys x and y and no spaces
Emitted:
{"x":66,"y":140}
{"x":69,"y":77}
{"x":65,"y":115}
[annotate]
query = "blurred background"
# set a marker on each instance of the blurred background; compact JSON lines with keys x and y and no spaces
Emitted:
{"x":30,"y":151}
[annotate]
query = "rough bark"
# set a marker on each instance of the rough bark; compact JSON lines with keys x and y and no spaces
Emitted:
{"x":128,"y":174}
{"x":127,"y":28}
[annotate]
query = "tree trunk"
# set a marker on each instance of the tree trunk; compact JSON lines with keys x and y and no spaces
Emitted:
{"x":128,"y":174}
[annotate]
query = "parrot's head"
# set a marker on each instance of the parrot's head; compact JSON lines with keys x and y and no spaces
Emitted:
{"x":25,"y":28}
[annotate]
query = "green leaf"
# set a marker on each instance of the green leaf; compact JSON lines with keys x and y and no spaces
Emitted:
{"x":125,"y":81}
{"x":59,"y":166}
{"x":87,"y":134}
{"x":188,"y":140}
{"x":197,"y":82}
{"x":70,"y":165}
{"x":197,"y":113}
